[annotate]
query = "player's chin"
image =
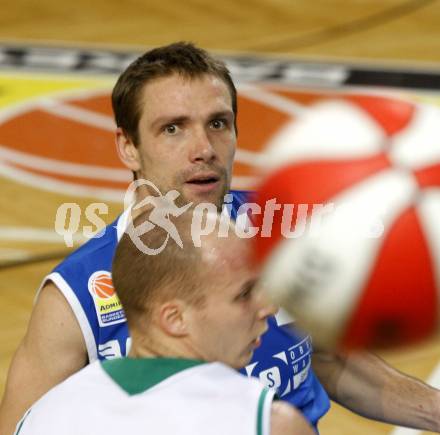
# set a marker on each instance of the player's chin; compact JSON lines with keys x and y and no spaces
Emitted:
{"x":244,"y":359}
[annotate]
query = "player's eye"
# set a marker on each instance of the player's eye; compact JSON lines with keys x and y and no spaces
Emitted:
{"x":218,"y":124}
{"x":246,"y":292}
{"x":245,"y":295}
{"x":171,"y":129}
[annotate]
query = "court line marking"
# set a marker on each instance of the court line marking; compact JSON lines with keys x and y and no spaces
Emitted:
{"x":244,"y":182}
{"x":78,"y":114}
{"x":33,"y":103}
{"x":31,"y":234}
{"x":434,"y":381}
{"x":60,"y":187}
{"x":80,"y":170}
{"x":248,"y":157}
{"x":272,"y":100}
{"x":12,"y":254}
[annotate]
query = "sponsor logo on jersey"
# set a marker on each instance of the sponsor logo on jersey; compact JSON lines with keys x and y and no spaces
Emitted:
{"x":107,"y":304}
{"x":286,"y":370}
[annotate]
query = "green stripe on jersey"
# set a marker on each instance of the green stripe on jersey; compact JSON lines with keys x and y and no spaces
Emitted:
{"x":136,"y":375}
{"x":260,"y":415}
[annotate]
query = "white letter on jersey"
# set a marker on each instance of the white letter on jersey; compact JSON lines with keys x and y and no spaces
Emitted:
{"x":110,"y":350}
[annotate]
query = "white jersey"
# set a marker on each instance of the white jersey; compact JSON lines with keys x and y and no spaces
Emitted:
{"x":160,"y":396}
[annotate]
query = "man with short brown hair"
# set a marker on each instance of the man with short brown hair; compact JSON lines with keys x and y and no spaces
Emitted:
{"x":182,"y":59}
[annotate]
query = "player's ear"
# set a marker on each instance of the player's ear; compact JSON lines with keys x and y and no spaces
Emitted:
{"x":127,"y":150}
{"x":172,"y":318}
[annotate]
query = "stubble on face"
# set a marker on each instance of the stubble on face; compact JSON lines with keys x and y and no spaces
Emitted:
{"x":195,"y":99}
{"x":216,"y":197}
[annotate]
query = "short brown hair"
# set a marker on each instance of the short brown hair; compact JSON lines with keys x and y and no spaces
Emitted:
{"x":141,"y":280}
{"x":179,"y":58}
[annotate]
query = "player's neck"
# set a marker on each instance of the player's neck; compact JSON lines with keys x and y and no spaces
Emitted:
{"x":150,"y":347}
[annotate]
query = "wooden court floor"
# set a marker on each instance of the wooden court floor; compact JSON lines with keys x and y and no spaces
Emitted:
{"x":390,"y":31}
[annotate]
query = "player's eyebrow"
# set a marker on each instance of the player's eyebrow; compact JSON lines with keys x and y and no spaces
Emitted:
{"x":222,"y":114}
{"x":169,"y":119}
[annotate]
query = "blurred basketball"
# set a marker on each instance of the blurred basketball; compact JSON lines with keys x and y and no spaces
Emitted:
{"x":354,"y":248}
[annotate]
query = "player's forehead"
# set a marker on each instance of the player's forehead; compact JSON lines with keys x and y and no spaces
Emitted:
{"x":176,"y":95}
{"x":227,"y":261}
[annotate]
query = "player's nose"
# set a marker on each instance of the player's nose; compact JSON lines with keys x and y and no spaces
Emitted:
{"x":267,"y":307}
{"x":201,"y":146}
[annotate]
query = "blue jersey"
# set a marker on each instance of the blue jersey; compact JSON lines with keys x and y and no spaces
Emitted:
{"x":282,"y":362}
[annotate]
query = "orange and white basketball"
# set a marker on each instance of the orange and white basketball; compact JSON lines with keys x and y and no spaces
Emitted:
{"x":369,"y":275}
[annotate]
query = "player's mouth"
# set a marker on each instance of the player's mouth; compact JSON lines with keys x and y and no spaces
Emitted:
{"x":203,"y":183}
{"x":257,"y":341}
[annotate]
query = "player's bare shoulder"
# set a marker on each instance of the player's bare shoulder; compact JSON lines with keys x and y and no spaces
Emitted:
{"x":287,"y":420}
{"x":52,"y":316}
